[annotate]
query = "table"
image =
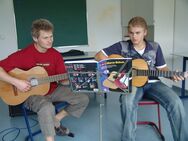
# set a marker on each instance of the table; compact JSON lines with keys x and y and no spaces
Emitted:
{"x":88,"y":55}
{"x":184,"y":55}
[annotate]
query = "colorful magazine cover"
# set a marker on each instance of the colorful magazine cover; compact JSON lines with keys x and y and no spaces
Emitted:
{"x":115,"y":75}
{"x":109,"y":75}
{"x":83,"y":75}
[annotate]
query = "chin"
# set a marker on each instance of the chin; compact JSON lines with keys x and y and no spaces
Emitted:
{"x":135,"y":42}
{"x":48,"y":47}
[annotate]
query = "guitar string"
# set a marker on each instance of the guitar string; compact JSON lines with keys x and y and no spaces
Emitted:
{"x":158,"y":73}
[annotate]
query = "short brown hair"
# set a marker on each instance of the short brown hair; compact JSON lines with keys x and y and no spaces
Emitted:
{"x":40,"y":24}
{"x":137,"y":21}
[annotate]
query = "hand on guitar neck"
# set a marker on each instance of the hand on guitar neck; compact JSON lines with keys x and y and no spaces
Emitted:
{"x":140,"y":74}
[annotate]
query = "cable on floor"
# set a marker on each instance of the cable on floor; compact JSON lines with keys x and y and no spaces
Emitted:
{"x":8,"y":131}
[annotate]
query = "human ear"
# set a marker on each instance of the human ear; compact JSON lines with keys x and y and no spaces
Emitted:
{"x":35,"y":39}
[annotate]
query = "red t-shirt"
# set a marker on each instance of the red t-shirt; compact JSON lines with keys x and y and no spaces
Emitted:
{"x":29,"y":57}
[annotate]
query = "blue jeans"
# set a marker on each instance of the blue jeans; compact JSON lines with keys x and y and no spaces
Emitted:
{"x":166,"y":97}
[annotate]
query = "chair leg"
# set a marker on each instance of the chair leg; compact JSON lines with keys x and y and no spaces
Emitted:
{"x":159,"y":117}
{"x":152,"y":124}
{"x":27,"y":123}
{"x":105,"y":95}
{"x":157,"y":128}
{"x":159,"y":122}
{"x":30,"y":136}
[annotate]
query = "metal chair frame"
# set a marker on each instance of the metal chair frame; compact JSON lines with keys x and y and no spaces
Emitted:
{"x":158,"y":126}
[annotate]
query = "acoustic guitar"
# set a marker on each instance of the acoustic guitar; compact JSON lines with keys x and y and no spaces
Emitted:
{"x":39,"y":79}
{"x":140,"y":74}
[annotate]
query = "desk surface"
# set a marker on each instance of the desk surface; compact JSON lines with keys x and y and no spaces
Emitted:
{"x":181,"y":54}
{"x":185,"y":58}
{"x":88,"y":55}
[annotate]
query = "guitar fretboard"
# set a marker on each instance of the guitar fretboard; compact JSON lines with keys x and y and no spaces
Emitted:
{"x":157,"y":73}
{"x":53,"y":78}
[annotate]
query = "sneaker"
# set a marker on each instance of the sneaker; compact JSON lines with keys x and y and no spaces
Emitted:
{"x":63,"y":131}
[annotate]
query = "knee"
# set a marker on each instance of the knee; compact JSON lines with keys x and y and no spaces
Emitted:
{"x":175,"y":106}
{"x":47,"y":108}
{"x":177,"y":103}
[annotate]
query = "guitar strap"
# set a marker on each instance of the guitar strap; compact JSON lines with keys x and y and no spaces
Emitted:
{"x":126,"y":49}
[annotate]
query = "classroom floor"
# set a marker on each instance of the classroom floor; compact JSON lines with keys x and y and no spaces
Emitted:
{"x":100,"y":122}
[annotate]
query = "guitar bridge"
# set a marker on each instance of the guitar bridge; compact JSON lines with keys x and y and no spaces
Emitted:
{"x":15,"y":91}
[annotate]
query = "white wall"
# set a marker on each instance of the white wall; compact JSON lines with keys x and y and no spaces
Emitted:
{"x":8,"y":40}
{"x":164,"y":29}
{"x":180,"y":36}
{"x":171,"y":30}
{"x":104,"y":25}
{"x":181,"y":23}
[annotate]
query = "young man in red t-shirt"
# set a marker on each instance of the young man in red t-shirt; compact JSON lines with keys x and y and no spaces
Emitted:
{"x":41,"y":53}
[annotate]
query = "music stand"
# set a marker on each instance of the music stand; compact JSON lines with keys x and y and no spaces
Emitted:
{"x":108,"y":76}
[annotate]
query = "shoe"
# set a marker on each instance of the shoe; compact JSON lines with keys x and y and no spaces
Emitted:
{"x":63,"y":131}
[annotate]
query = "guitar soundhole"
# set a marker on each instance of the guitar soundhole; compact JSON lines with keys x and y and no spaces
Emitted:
{"x":115,"y":76}
{"x":34,"y":82}
{"x":134,"y":72}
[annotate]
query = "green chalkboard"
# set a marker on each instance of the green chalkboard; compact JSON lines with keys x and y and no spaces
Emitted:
{"x":68,"y":16}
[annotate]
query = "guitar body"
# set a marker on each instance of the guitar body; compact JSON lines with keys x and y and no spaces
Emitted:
{"x":140,"y":64}
{"x":12,"y":96}
{"x":137,"y":81}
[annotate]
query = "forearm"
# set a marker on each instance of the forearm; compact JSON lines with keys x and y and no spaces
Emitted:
{"x":4,"y":76}
{"x":65,"y":82}
{"x":22,"y":85}
{"x":100,"y":56}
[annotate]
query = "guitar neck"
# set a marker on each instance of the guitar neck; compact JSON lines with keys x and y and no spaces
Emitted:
{"x":158,"y":73}
{"x":52,"y":78}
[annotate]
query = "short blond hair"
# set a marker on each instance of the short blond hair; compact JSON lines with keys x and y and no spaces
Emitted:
{"x":40,"y":24}
{"x":137,"y":21}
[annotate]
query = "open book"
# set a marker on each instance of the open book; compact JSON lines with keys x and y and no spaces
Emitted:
{"x":109,"y":75}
